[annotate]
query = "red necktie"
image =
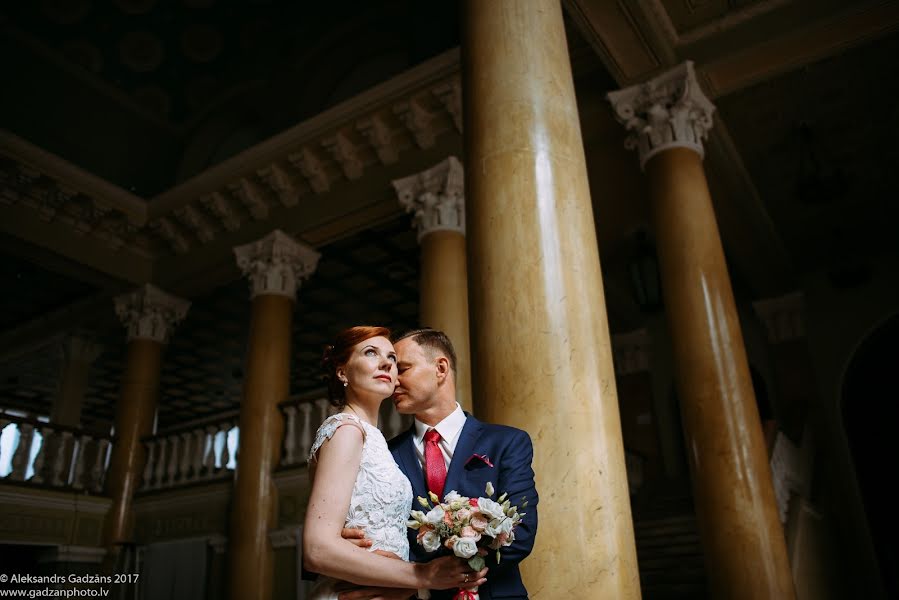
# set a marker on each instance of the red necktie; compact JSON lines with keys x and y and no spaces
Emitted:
{"x":435,"y":467}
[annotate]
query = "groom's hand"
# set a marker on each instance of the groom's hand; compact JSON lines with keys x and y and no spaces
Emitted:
{"x":356,"y":536}
{"x":376,"y":593}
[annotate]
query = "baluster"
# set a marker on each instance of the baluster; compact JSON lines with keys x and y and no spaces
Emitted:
{"x":290,"y":440}
{"x":151,"y":458}
{"x":305,"y":431}
{"x":323,"y":410}
{"x":186,"y":455}
{"x":160,"y":463}
{"x":173,"y":459}
{"x":98,"y":472}
{"x":226,"y":455}
{"x":41,"y":458}
{"x":78,"y":473}
{"x":209,"y":457}
{"x":22,"y":453}
{"x":59,"y":460}
{"x":197,"y":459}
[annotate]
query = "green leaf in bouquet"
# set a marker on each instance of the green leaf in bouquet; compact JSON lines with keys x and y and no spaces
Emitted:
{"x":476,"y":562}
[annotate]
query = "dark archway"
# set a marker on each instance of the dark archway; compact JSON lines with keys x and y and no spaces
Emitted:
{"x":869,"y":406}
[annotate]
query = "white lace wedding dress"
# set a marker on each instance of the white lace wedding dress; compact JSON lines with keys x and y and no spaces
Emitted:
{"x":381,"y":501}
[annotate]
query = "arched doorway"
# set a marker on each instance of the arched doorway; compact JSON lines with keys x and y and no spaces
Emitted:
{"x":869,"y":406}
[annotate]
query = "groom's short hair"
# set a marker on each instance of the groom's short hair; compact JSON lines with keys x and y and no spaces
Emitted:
{"x":434,"y":341}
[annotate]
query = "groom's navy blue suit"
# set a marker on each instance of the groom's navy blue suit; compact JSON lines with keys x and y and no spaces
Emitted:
{"x":510,"y":452}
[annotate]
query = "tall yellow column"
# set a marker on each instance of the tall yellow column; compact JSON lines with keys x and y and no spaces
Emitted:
{"x":79,"y":352}
{"x":742,"y":538}
{"x":275,"y":266}
{"x":437,"y":199}
{"x":150,"y":315}
{"x":540,"y":347}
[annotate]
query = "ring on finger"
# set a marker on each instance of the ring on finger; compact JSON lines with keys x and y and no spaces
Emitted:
{"x":466,"y":578}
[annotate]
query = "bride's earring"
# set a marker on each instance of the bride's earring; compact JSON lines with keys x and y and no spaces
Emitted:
{"x":346,"y":383}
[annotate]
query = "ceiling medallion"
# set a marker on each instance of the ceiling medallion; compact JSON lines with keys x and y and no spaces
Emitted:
{"x":141,"y":51}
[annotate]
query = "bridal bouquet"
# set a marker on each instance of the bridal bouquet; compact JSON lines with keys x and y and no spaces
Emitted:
{"x":470,"y":527}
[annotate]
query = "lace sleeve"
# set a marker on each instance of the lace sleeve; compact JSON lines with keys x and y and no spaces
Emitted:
{"x":327,"y":429}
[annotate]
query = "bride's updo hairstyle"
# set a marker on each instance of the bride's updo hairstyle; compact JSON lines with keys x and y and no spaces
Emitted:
{"x":337,"y":354}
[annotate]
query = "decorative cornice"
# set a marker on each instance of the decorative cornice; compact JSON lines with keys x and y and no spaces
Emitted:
{"x":148,"y":313}
{"x":276,"y":264}
{"x":436,"y":197}
{"x":668,"y":111}
{"x":783,"y":317}
{"x":632,"y":352}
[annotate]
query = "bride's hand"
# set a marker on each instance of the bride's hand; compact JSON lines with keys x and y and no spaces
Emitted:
{"x":451,"y":572}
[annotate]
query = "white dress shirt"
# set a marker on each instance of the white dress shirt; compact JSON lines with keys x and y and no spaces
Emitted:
{"x":449,"y":429}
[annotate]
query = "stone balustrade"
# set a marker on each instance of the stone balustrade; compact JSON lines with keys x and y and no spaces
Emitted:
{"x":44,"y":454}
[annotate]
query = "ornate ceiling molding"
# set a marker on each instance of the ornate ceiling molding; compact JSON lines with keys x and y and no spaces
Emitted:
{"x":342,"y":144}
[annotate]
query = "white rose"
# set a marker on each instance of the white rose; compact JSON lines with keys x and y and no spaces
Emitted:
{"x":465,"y":548}
{"x":430,"y":541}
{"x":490,"y":509}
{"x":452,"y":496}
{"x":435,"y":515}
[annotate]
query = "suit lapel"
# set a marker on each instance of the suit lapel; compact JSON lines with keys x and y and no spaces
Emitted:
{"x":407,"y":459}
{"x":471,"y":431}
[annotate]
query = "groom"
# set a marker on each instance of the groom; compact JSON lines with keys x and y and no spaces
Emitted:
{"x":447,"y":449}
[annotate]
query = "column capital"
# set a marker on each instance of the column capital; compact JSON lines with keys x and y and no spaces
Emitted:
{"x":276,"y":264}
{"x":80,"y":346}
{"x":148,"y":313}
{"x":436,"y":197}
{"x":632,"y":351}
{"x":668,"y":111}
{"x":783,"y":317}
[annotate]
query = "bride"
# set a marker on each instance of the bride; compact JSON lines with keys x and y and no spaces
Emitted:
{"x":356,"y":483}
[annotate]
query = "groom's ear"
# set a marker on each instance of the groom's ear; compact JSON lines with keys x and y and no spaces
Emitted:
{"x":442,"y":365}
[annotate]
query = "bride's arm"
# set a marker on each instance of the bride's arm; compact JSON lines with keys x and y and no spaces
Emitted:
{"x":326,"y":552}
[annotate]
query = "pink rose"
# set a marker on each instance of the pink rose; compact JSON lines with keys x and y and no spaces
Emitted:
{"x":450,"y":542}
{"x":463,"y":514}
{"x":448,"y":519}
{"x":478,"y":522}
{"x":470,"y":532}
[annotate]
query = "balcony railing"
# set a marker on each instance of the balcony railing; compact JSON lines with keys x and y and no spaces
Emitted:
{"x":48,"y":455}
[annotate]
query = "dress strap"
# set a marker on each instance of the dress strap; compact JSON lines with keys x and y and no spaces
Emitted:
{"x":329,"y":426}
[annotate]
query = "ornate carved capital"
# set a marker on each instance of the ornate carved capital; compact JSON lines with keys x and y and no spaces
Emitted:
{"x":783,"y":317}
{"x":276,"y":264}
{"x":668,"y":111}
{"x":148,"y":313}
{"x":632,"y":352}
{"x":80,"y":347}
{"x":436,"y":197}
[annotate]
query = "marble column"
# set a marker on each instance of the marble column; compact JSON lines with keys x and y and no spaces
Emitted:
{"x":275,"y":266}
{"x":541,"y":355}
{"x":668,"y":118}
{"x":79,"y":351}
{"x":437,"y":199}
{"x":793,"y":376}
{"x":150,"y":315}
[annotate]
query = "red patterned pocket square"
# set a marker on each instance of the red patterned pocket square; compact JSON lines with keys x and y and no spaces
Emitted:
{"x":481,"y":457}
